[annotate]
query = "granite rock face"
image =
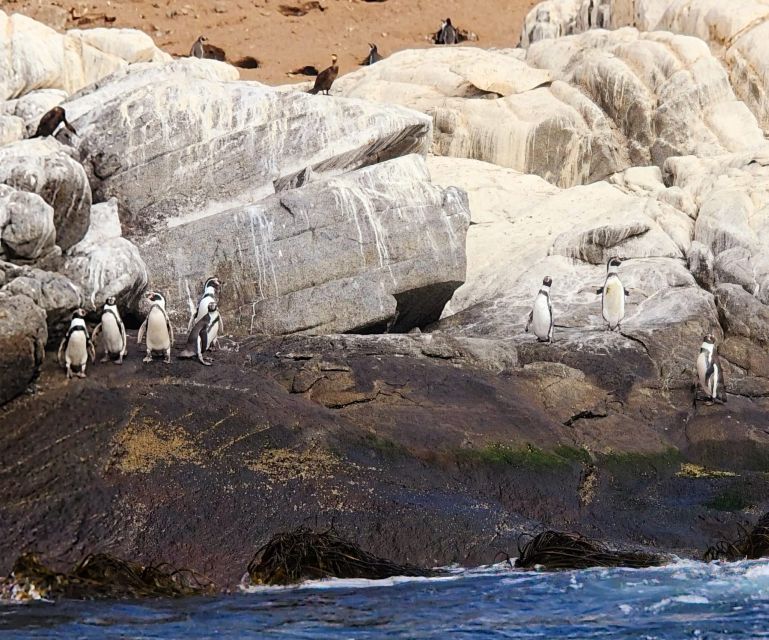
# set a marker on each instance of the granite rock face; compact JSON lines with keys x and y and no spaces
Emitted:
{"x":27,"y":229}
{"x":33,"y":56}
{"x":169,"y":147}
{"x":44,"y":167}
{"x":375,"y":249}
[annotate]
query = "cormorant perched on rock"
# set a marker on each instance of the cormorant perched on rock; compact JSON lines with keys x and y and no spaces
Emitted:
{"x":326,"y":77}
{"x":447,"y":34}
{"x":201,"y":49}
{"x":372,"y":57}
{"x":51,"y":121}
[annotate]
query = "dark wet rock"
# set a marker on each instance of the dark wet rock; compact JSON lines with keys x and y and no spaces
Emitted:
{"x":23,"y":335}
{"x":418,"y":450}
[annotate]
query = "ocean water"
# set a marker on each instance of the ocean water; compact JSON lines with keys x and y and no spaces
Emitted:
{"x":685,"y":600}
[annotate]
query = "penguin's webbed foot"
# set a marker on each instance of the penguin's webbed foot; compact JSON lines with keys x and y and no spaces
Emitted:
{"x":119,"y":360}
{"x":105,"y":358}
{"x":81,"y":374}
{"x":147,"y":359}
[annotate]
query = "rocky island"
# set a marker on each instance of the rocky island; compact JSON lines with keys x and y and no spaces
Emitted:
{"x":380,"y":249}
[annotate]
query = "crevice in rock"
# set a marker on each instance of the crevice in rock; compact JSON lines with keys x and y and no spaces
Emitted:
{"x":584,"y":415}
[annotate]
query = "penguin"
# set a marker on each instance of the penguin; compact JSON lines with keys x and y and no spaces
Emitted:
{"x":51,"y":121}
{"x":326,"y":77}
{"x":372,"y":57}
{"x":112,"y":331}
{"x":201,"y":49}
{"x":613,"y":300}
{"x":541,"y":315}
{"x":76,"y":346}
{"x":710,"y":375}
{"x":202,"y":334}
{"x":157,"y":328}
{"x":211,"y":289}
{"x":447,"y":34}
{"x":307,"y":70}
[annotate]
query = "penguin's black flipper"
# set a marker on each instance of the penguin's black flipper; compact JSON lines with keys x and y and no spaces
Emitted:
{"x":60,"y":354}
{"x":142,"y":331}
{"x":530,"y":320}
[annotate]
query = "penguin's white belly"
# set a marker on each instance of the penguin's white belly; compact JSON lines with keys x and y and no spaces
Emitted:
{"x":77,"y":349}
{"x":110,"y":331}
{"x":613,"y":302}
{"x":541,"y":321}
{"x":157,"y":332}
{"x":213,"y":332}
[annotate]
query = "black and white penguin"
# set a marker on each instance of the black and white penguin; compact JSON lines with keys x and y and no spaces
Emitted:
{"x":372,"y":57}
{"x":211,"y":289}
{"x":76,"y":346}
{"x":710,"y":375}
{"x":157,"y":329}
{"x":112,"y":331}
{"x":613,"y":301}
{"x":541,"y":315}
{"x":51,"y":121}
{"x":447,"y":34}
{"x":203,"y":334}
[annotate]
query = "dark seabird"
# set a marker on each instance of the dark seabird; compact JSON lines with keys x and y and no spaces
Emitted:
{"x":51,"y":121}
{"x":372,"y":57}
{"x":326,"y":78}
{"x":447,"y":34}
{"x":307,"y":70}
{"x":201,"y":49}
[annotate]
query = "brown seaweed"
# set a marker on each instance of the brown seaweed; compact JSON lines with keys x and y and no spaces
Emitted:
{"x":101,"y":575}
{"x":556,"y":550}
{"x":749,"y":545}
{"x":303,"y":554}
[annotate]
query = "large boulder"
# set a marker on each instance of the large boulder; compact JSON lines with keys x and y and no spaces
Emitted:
{"x":44,"y":167}
{"x":130,"y":45}
{"x":23,"y":335}
{"x":372,"y":249}
{"x":666,"y":93}
{"x":33,"y":56}
{"x":732,"y":195}
{"x":171,"y":146}
{"x":27,"y":231}
{"x":493,"y":107}
{"x":53,"y":292}
{"x":104,"y":263}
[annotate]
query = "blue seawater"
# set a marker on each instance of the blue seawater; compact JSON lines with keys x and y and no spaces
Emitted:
{"x":684,"y":600}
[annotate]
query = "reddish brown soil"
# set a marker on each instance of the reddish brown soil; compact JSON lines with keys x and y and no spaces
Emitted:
{"x":257,"y":28}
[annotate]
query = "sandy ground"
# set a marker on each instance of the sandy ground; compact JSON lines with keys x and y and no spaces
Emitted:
{"x":282,"y":43}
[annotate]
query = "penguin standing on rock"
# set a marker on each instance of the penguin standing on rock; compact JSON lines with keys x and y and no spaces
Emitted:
{"x":112,"y":332}
{"x":541,"y":315}
{"x":76,"y":346}
{"x":203,"y":334}
{"x":157,"y":329}
{"x":613,"y":299}
{"x":211,"y":289}
{"x":709,"y":373}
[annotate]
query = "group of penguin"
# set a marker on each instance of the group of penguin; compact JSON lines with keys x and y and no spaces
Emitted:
{"x":710,"y":377}
{"x":156,"y":331}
